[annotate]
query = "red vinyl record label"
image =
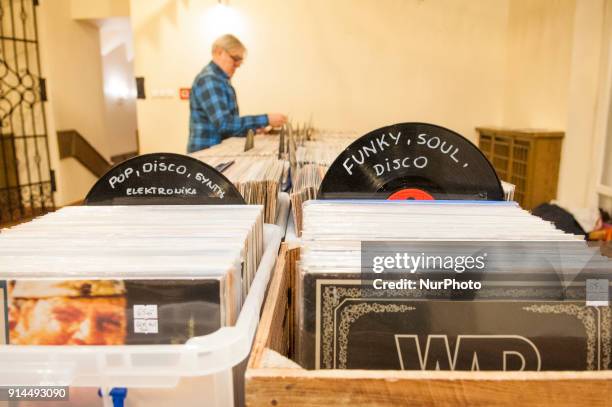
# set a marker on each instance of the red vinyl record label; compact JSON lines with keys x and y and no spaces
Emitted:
{"x":410,"y":193}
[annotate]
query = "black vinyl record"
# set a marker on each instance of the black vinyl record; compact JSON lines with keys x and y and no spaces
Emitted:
{"x":412,"y":161}
{"x":163,"y":179}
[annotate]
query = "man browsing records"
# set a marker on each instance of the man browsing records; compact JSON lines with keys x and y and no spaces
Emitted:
{"x":213,"y":107}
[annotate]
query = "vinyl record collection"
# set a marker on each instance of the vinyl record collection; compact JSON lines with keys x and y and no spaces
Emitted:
{"x":308,"y":152}
{"x":261,"y":171}
{"x":113,"y":275}
{"x":411,"y":257}
{"x":323,"y":147}
{"x":258,"y":179}
{"x":528,"y":291}
{"x":312,"y":160}
{"x":422,"y":193}
{"x":256,"y":173}
{"x":305,"y":182}
{"x":265,"y":146}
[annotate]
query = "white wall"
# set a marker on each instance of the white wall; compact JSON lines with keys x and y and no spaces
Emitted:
{"x":590,"y":38}
{"x":556,"y":71}
{"x":120,"y":101}
{"x":602,"y":148}
{"x":542,"y":63}
{"x":71,"y":62}
{"x":361,"y":64}
{"x":73,"y":66}
{"x":78,"y":74}
{"x":96,"y":9}
{"x":606,"y":171}
{"x":119,"y":86}
{"x":538,"y":62}
{"x":350,"y":64}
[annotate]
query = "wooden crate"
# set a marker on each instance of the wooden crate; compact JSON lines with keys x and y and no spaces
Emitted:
{"x":272,"y":379}
{"x":527,"y":158}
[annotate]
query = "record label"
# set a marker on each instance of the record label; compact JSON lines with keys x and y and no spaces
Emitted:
{"x":411,"y":161}
{"x":163,"y":179}
{"x":410,"y":193}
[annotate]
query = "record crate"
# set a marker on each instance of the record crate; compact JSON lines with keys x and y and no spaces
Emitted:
{"x":203,"y":369}
{"x":273,"y":379}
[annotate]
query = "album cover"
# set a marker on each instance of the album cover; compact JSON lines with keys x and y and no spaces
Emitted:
{"x":346,"y":324}
{"x":112,"y":312}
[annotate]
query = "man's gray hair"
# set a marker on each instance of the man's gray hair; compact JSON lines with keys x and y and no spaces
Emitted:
{"x":228,"y":42}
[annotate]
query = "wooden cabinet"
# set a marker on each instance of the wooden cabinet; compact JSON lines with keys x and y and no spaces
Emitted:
{"x":527,"y":158}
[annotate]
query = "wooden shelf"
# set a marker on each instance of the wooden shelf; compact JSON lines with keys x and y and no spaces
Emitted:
{"x":527,"y":158}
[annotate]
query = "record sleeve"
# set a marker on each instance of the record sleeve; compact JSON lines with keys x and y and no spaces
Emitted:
{"x":448,"y":285}
{"x":121,"y":275}
{"x":112,"y":312}
{"x":522,"y":327}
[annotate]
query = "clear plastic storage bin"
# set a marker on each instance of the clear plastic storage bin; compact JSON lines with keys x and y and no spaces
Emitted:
{"x":205,"y":371}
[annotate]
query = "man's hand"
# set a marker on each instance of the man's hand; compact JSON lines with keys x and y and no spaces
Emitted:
{"x":276,"y":119}
{"x":263,"y":130}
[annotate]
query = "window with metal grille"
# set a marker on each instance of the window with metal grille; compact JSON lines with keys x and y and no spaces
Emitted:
{"x":25,"y":176}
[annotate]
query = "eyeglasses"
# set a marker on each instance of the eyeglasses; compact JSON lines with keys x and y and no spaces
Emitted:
{"x":236,"y":58}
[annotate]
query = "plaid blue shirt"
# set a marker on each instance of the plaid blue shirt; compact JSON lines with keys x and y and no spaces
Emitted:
{"x":214,"y":110}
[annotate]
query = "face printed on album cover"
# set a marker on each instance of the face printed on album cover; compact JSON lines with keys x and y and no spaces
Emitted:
{"x":67,"y":313}
{"x":111,"y":312}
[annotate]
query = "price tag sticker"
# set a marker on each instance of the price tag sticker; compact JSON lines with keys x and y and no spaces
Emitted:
{"x":597,"y":293}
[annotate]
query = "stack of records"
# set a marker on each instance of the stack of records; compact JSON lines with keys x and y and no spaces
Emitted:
{"x":305,"y":184}
{"x":258,"y":179}
{"x":323,"y":147}
{"x":114,"y":275}
{"x":313,"y":159}
{"x":257,"y":173}
{"x":321,"y":151}
{"x":264,"y":146}
{"x":459,"y":285}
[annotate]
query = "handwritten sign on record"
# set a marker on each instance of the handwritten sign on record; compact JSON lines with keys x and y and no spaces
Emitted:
{"x":163,"y":179}
{"x":411,"y":161}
